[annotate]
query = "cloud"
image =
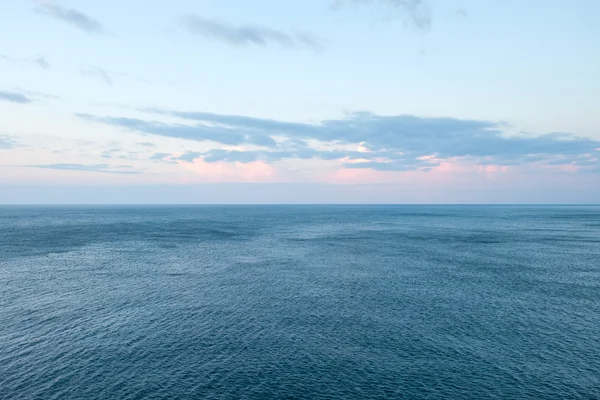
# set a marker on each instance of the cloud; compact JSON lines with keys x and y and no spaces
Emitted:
{"x":119,"y":153}
{"x":198,"y":132}
{"x":401,"y":142}
{"x":41,"y":61}
{"x":70,"y":16}
{"x":245,"y":35}
{"x":269,"y":156}
{"x":104,"y":168}
{"x":6,"y":142}
{"x":188,"y":157}
{"x":160,"y":156}
{"x":417,"y":12}
{"x":107,"y":76}
{"x":146,"y":144}
{"x":348,"y":159}
{"x":97,"y":72}
{"x":109,"y":153}
{"x":393,"y":166}
{"x":15,"y":97}
{"x":462,"y":12}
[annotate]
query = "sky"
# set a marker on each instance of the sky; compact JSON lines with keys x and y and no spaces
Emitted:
{"x":314,"y":101}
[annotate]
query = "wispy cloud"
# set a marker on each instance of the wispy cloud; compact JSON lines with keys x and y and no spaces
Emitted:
{"x":382,"y":142}
{"x":70,"y":16}
{"x":246,"y":35}
{"x":417,"y":12}
{"x":103,"y":168}
{"x":119,"y":153}
{"x":15,"y":97}
{"x":98,"y":73}
{"x":110,"y":153}
{"x":24,"y":96}
{"x":199,"y":132}
{"x":107,"y":76}
{"x":462,"y":12}
{"x":40,"y":61}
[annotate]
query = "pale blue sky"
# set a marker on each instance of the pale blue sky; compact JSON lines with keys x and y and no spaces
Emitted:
{"x":446,"y":95}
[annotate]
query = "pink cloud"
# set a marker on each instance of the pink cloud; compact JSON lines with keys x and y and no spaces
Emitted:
{"x":362,"y":148}
{"x":360,"y":176}
{"x":447,"y":172}
{"x":566,"y":168}
{"x":449,"y":167}
{"x":492,"y":169}
{"x":356,"y":175}
{"x":257,"y":171}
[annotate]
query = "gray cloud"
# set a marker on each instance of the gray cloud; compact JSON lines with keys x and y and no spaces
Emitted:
{"x":394,"y":142}
{"x":6,"y":142}
{"x":394,"y":165}
{"x":188,"y":157}
{"x":70,"y":16}
{"x":128,"y":156}
{"x":41,"y":61}
{"x":15,"y":97}
{"x":159,"y":156}
{"x":146,"y":144}
{"x":109,"y":153}
{"x":417,"y":12}
{"x":269,"y":156}
{"x":119,"y":153}
{"x":246,"y":35}
{"x":199,"y":132}
{"x":104,"y":168}
{"x":220,"y":155}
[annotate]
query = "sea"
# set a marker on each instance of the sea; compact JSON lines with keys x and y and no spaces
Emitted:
{"x":299,"y":302}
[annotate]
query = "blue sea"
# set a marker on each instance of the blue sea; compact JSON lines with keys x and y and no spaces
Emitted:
{"x":300,"y":302}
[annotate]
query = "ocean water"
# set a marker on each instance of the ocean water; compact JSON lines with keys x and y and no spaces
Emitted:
{"x":300,"y":302}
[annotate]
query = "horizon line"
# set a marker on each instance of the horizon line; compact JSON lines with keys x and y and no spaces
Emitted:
{"x":301,"y":204}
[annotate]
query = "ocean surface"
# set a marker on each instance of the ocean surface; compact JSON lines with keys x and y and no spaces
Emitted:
{"x":300,"y":302}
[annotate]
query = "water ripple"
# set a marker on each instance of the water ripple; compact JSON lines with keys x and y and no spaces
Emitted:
{"x":299,"y":302}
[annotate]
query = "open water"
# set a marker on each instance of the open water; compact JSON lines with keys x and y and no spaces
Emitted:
{"x":300,"y":302}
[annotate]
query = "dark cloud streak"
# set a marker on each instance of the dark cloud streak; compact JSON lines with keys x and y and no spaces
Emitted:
{"x":245,"y":35}
{"x":217,"y":134}
{"x":70,"y":16}
{"x":15,"y":97}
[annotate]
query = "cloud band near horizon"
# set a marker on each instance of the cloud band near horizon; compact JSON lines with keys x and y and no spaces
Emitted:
{"x":362,"y":140}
